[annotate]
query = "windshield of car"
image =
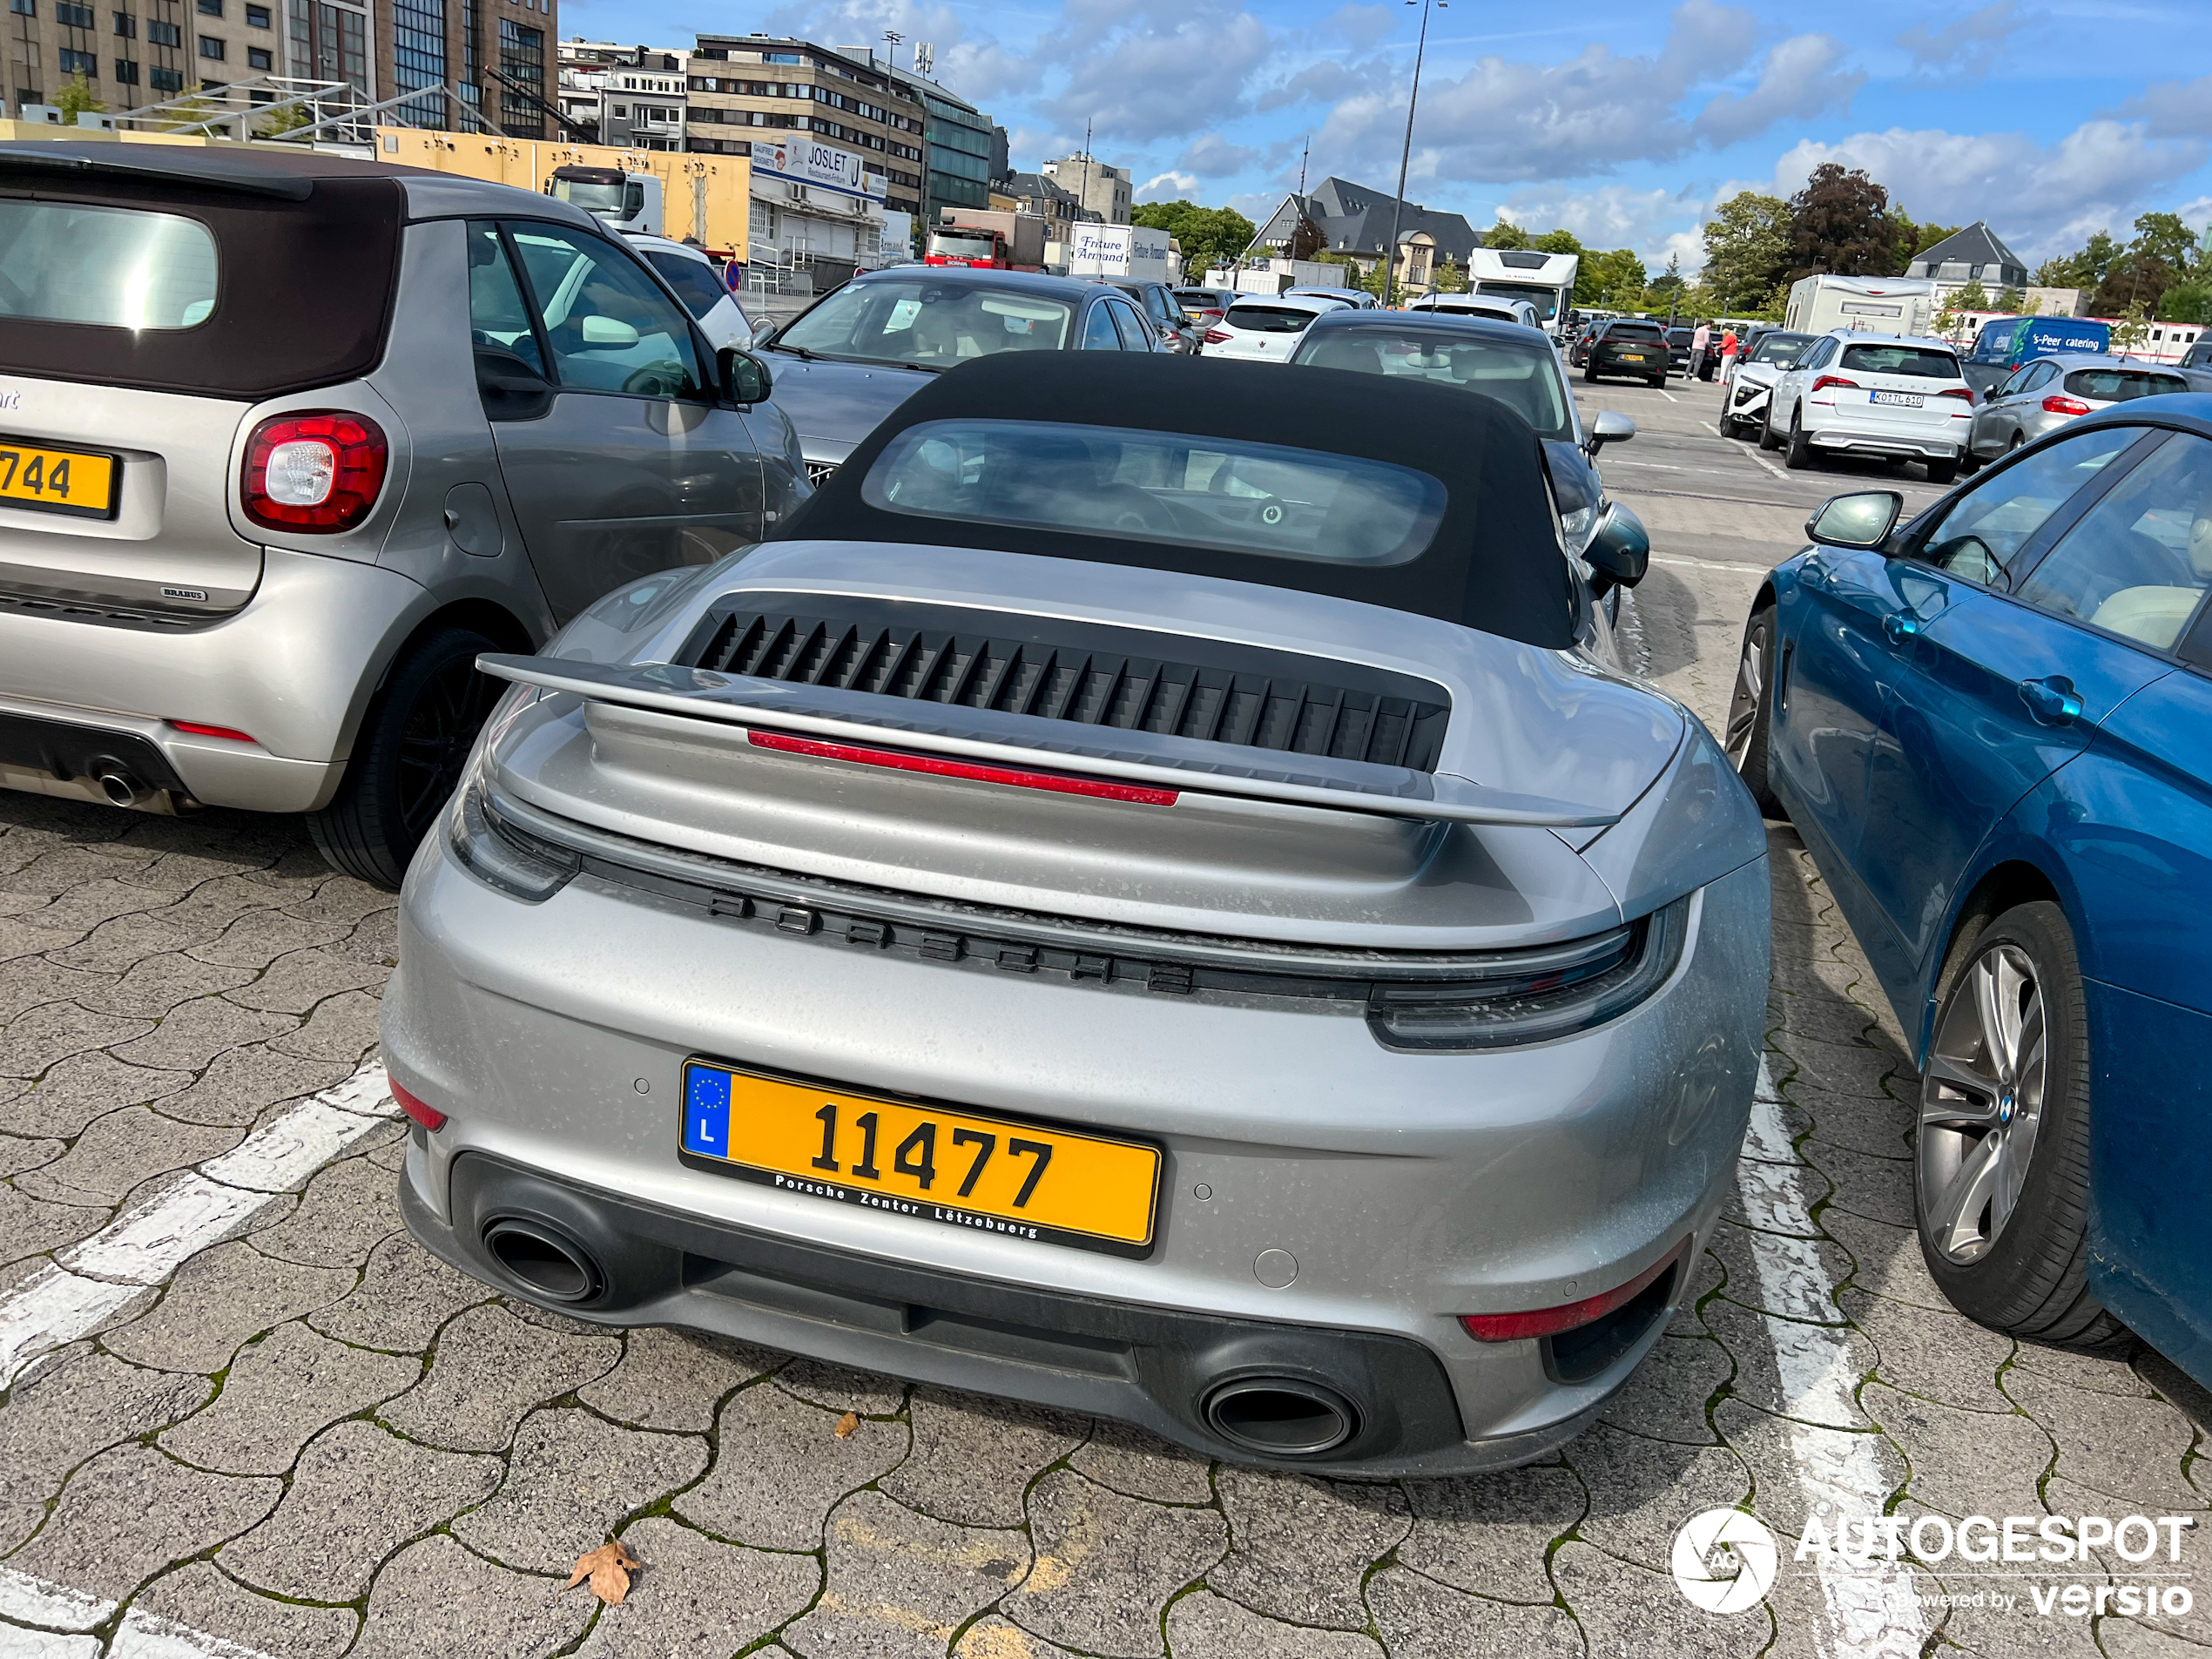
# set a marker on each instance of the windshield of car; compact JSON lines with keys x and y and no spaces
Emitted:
{"x":1523,"y":377}
{"x":1781,"y":349}
{"x":2118,"y":385}
{"x":1918,"y":362}
{"x":975,"y":246}
{"x":1633,"y":331}
{"x":695,"y":283}
{"x":1679,"y":336}
{"x":122,"y":267}
{"x":592,"y":198}
{"x":1269,"y":319}
{"x":1545,"y":300}
{"x":1228,"y":493}
{"x":1198,"y":299}
{"x":928,"y":324}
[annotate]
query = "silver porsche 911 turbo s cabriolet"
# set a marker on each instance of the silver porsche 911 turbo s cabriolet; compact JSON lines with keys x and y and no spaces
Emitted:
{"x":1147,"y":897}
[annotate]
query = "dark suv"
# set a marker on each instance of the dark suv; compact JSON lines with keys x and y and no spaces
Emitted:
{"x":1179,"y":330}
{"x":1624,"y":345}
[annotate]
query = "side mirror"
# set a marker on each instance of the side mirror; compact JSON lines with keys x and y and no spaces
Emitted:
{"x":1864,"y":520}
{"x":1619,"y":550}
{"x":608,"y":331}
{"x":1610,"y":427}
{"x":745,"y":380}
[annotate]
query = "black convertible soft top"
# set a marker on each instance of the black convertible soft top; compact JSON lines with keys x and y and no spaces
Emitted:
{"x":1494,"y":561}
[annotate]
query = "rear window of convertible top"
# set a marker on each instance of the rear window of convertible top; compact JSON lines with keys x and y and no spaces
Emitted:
{"x":1168,"y":488}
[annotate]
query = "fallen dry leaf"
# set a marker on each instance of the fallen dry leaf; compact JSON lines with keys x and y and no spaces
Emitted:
{"x":848,"y":1426}
{"x":609,"y":1568}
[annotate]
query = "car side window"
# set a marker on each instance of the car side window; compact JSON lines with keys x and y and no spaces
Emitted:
{"x":2015,"y":382}
{"x":694,"y":281}
{"x":2039,"y":376}
{"x":1984,"y":529}
{"x":1099,"y":333}
{"x":1136,"y":335}
{"x":612,"y":328}
{"x":2140,"y":561}
{"x":499,"y":318}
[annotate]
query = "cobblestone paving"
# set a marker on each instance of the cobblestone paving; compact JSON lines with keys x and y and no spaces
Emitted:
{"x":316,"y":1441}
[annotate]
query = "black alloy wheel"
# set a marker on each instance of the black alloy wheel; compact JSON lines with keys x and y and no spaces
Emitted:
{"x":2001,"y":1155}
{"x":1796,"y":453}
{"x":408,"y":757}
{"x":1750,"y":711}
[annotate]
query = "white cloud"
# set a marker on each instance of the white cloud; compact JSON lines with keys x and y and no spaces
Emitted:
{"x":1653,"y":222}
{"x":2174,"y":109}
{"x":1168,"y":187}
{"x":1211,"y":156}
{"x":2042,"y":198}
{"x":1966,"y":48}
{"x":1801,"y":78}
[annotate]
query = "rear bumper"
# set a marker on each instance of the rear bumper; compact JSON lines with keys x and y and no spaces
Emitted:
{"x":1864,"y":440}
{"x":1409,"y":1188}
{"x":293,"y":668}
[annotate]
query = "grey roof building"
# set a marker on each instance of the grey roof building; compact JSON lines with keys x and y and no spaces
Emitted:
{"x":1351,"y":219}
{"x":1974,"y":254}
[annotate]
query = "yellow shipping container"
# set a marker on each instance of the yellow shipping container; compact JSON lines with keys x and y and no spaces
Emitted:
{"x":705,"y":198}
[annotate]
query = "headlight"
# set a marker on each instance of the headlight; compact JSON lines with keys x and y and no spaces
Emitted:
{"x":1601,"y":980}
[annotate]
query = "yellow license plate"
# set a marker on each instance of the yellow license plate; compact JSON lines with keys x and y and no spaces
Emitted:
{"x":59,"y":481}
{"x":1631,"y":356}
{"x":936,"y":1163}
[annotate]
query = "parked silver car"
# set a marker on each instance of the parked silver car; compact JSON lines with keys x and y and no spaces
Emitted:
{"x":1141,"y":898}
{"x":2044,"y":393}
{"x":259,"y":517}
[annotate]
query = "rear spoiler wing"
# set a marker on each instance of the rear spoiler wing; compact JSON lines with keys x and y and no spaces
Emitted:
{"x":1027,"y":741}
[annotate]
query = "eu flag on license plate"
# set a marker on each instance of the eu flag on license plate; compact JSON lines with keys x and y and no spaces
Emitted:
{"x":706,"y":1112}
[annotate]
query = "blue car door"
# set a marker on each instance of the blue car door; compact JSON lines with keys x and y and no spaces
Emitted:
{"x":1983,"y":693}
{"x":1832,"y":655}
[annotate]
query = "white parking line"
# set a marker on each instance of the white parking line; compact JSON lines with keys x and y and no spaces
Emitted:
{"x":1669,"y":396}
{"x":1715,"y":564}
{"x":135,"y":1253}
{"x":72,"y":1614}
{"x":1871,"y":1611}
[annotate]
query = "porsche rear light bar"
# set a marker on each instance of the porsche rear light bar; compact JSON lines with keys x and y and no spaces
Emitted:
{"x":1569,"y":1316}
{"x":936,"y":766}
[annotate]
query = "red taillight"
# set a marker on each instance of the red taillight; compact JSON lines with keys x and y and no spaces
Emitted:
{"x":900,"y":760}
{"x":1215,"y":336}
{"x":320,"y":470}
{"x":2058,"y":404}
{"x":1967,"y":392}
{"x":429,"y":1116}
{"x":199,"y":729}
{"x":1551,"y":1322}
{"x":1834,"y":379}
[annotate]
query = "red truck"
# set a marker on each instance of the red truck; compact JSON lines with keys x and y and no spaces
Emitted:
{"x":987,"y":237}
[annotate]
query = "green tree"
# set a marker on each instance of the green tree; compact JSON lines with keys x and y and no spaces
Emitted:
{"x":1210,"y":236}
{"x":1556,"y":242}
{"x":1506,"y":233}
{"x":2131,"y":330}
{"x":1915,"y":240}
{"x":78,"y":97}
{"x":1745,"y":242}
{"x":1840,"y":223}
{"x":2187,"y":302}
{"x":2011,"y":299}
{"x":1451,"y":278}
{"x":2164,"y":237}
{"x":2084,"y":268}
{"x":290,"y":118}
{"x":2137,"y":281}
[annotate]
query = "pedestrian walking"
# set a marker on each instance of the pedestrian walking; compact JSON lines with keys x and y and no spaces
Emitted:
{"x":1700,"y":350}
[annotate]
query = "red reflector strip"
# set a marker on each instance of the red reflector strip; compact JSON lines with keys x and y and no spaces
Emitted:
{"x":199,"y":729}
{"x":429,"y":1116}
{"x":1551,"y":1322}
{"x":898,"y":761}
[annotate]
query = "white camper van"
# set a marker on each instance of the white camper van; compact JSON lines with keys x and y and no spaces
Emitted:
{"x":1820,"y":303}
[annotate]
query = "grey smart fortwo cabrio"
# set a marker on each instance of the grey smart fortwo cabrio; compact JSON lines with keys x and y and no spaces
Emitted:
{"x":1147,"y":896}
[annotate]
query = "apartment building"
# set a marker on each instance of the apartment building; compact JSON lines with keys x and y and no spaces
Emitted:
{"x":745,"y":87}
{"x":1106,"y":193}
{"x":629,"y":96}
{"x":488,"y":54}
{"x":964,"y":149}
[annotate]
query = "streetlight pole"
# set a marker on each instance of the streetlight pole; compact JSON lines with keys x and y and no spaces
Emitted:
{"x":1405,"y":156}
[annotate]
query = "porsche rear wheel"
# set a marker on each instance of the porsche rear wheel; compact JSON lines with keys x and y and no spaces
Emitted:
{"x":1750,"y":711}
{"x":2001,"y":1155}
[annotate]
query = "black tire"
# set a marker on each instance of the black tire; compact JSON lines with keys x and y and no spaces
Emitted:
{"x":1659,"y":380}
{"x":407,"y":757}
{"x":1943,"y":472}
{"x":2024,"y":1272}
{"x":1750,"y":712}
{"x":1796,"y":452}
{"x":1767,"y":438}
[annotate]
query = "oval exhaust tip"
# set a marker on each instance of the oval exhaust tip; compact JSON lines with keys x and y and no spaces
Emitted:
{"x":1281,"y":1416}
{"x":121,"y":787}
{"x":551,"y":1266}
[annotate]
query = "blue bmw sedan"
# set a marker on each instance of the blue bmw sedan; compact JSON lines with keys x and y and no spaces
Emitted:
{"x":1992,"y":727}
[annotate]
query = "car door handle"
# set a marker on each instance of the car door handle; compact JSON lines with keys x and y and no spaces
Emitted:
{"x":2052,"y":701}
{"x":1899,"y":626}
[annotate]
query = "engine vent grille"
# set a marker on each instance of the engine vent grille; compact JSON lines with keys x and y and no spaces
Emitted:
{"x":1127,"y":679}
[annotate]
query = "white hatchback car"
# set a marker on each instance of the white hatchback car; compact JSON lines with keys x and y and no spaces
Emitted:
{"x":1265,"y":328}
{"x":698,"y":283}
{"x":1878,"y":395}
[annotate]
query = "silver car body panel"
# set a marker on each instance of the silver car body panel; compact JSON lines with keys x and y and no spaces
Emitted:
{"x":2003,"y":423}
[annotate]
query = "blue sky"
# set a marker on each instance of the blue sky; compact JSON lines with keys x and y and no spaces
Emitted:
{"x":1624,"y":123}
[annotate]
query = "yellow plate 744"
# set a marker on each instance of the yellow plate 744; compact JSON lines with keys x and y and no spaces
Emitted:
{"x":57,"y":481}
{"x":938,"y":1164}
